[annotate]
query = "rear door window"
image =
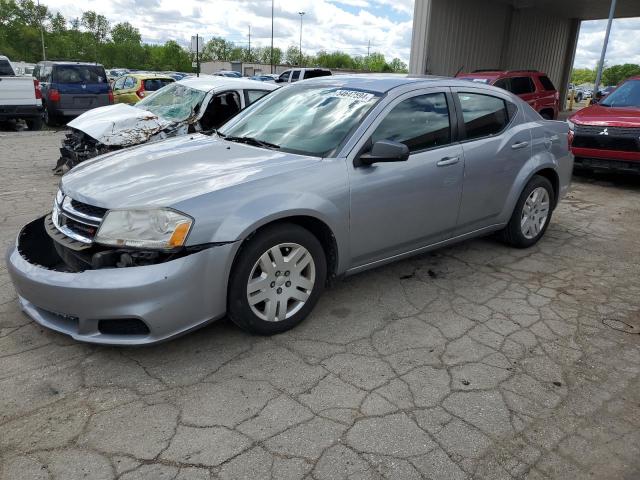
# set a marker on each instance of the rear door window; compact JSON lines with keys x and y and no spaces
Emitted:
{"x":153,"y":84}
{"x":547,"y":84}
{"x":79,"y":74}
{"x":419,"y":122}
{"x":483,"y":115}
{"x":521,"y":85}
{"x":295,"y":75}
{"x":119,"y":83}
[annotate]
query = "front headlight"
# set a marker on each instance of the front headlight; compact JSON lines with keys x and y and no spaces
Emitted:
{"x":156,"y":229}
{"x":572,"y":126}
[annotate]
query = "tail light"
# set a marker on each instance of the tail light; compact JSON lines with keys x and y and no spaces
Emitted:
{"x":36,"y":87}
{"x":54,"y":95}
{"x":140,"y":91}
{"x":557,"y":96}
{"x":110,"y":93}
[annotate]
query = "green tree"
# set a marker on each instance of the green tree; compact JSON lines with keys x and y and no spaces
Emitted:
{"x":617,"y":73}
{"x":125,"y":34}
{"x":98,"y":26}
{"x":292,"y":55}
{"x":398,"y":66}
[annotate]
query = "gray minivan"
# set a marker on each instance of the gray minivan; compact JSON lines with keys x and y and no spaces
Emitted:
{"x":71,"y":88}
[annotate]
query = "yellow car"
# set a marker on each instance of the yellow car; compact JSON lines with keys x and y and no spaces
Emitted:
{"x":133,"y":87}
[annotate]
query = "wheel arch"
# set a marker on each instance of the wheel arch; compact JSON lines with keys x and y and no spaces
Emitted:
{"x":317,"y":226}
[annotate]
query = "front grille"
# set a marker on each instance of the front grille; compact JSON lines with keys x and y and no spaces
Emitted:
{"x":88,"y":209}
{"x":621,"y":139}
{"x":633,"y":132}
{"x":77,"y":220}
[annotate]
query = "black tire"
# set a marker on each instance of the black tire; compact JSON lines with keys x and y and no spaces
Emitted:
{"x":49,"y":118}
{"x":34,"y":123}
{"x":512,"y":233}
{"x":238,"y":308}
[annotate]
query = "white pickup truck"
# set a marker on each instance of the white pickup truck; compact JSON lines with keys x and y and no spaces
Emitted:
{"x":20,"y":96}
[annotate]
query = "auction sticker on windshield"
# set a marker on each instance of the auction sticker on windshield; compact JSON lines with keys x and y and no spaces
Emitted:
{"x":352,"y":95}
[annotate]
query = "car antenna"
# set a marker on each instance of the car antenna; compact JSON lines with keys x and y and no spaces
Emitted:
{"x":459,"y":71}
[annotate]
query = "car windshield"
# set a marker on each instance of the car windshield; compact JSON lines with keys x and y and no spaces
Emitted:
{"x":310,"y":120}
{"x":175,"y":102}
{"x":626,"y":95}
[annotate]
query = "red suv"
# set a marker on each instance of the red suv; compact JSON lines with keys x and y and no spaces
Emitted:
{"x":532,"y":86}
{"x":606,"y":135}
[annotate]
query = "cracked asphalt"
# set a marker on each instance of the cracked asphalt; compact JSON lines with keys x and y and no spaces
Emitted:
{"x":475,"y":361}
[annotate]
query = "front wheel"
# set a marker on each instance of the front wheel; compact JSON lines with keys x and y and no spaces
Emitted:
{"x":532,"y":214}
{"x":277,"y":279}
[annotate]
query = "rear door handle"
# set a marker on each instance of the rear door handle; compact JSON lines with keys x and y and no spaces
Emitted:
{"x":519,"y":145}
{"x":448,"y":161}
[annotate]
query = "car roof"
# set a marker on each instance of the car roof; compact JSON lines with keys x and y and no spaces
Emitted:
{"x":207,"y":83}
{"x":65,"y":62}
{"x":381,"y":83}
{"x":148,"y":75}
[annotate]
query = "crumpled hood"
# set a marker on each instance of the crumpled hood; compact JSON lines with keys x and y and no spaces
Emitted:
{"x":608,"y":116}
{"x":119,"y":124}
{"x":170,"y":171}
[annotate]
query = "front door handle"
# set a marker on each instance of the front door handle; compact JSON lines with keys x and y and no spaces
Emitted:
{"x":519,"y":145}
{"x":448,"y":161}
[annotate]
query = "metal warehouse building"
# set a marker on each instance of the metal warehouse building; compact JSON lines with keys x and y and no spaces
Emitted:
{"x":449,"y":35}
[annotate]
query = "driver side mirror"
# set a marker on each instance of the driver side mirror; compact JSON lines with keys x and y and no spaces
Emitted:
{"x":383,"y":151}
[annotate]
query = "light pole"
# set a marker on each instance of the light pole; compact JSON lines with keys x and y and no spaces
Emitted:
{"x":604,"y":47}
{"x":301,"y":14}
{"x":44,"y":54}
{"x":272,"y":36}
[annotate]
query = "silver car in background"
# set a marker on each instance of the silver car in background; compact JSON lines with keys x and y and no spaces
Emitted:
{"x":324,"y":178}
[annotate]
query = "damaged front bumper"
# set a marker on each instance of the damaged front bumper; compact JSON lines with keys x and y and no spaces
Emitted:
{"x":77,"y":147}
{"x":119,"y":306}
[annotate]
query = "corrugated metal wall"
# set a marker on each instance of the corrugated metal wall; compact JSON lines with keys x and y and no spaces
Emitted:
{"x":538,"y":41}
{"x":465,"y":33}
{"x":476,"y":34}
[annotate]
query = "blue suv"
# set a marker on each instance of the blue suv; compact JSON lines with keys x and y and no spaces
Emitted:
{"x":71,"y":88}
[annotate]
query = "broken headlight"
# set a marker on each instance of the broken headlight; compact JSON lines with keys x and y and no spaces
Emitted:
{"x":163,"y":229}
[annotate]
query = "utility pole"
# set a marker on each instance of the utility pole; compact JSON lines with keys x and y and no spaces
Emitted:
{"x":197,"y":55}
{"x":272,"y":36}
{"x":300,"y":50}
{"x":249,"y":54}
{"x":368,"y":47}
{"x":604,"y":47}
{"x":44,"y":53}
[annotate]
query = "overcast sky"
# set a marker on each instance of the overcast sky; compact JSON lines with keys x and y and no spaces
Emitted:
{"x":346,"y":25}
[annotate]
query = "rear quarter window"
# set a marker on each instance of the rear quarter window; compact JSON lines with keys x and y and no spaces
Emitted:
{"x":79,"y":74}
{"x":547,"y":84}
{"x":316,"y":73}
{"x":153,"y":84}
{"x":6,"y":70}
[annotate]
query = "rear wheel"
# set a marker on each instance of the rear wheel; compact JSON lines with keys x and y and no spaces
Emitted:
{"x":50,"y":119}
{"x":34,"y":123}
{"x":276,"y":280}
{"x":532,"y":214}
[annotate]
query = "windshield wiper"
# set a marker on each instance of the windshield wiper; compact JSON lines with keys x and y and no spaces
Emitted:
{"x":251,"y":141}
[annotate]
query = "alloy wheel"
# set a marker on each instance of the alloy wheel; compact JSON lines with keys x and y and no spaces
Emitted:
{"x":281,"y":282}
{"x":535,"y":212}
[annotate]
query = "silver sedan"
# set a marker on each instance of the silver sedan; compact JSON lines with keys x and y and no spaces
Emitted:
{"x":325,"y":178}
